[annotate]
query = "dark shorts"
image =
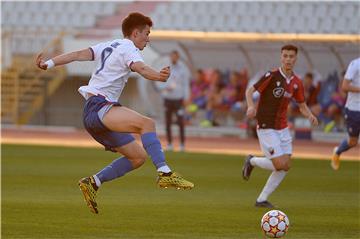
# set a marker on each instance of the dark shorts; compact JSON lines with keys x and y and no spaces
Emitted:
{"x":352,"y":122}
{"x":97,"y":129}
{"x":173,"y":105}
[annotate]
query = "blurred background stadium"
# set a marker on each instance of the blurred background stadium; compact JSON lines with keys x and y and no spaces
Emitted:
{"x":222,"y":43}
{"x":223,"y":39}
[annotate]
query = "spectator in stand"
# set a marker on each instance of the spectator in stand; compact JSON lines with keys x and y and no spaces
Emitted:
{"x":229,"y":93}
{"x":330,"y":113}
{"x":198,"y":93}
{"x":214,"y":98}
{"x":242,"y":83}
{"x":311,"y":91}
{"x":238,"y":107}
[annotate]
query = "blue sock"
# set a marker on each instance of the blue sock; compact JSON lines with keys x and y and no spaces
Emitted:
{"x":152,"y":146}
{"x":119,"y":167}
{"x":342,"y":147}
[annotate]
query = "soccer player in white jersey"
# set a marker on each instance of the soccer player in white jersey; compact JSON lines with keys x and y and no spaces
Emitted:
{"x":110,"y":123}
{"x":351,"y":85}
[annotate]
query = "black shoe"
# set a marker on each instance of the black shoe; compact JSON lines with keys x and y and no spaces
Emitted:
{"x":247,"y":168}
{"x":266,"y":204}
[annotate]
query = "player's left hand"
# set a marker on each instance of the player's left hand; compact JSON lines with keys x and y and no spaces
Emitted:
{"x":40,"y":62}
{"x":313,"y":120}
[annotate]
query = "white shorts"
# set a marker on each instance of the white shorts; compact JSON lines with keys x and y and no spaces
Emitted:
{"x":275,"y":143}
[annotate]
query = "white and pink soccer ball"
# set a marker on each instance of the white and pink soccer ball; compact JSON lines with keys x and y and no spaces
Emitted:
{"x":275,"y":224}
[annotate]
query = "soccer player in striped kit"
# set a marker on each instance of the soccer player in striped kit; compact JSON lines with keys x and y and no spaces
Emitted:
{"x":106,"y":120}
{"x":276,"y":89}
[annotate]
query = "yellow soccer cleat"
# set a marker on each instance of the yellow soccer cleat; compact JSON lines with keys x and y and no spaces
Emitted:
{"x":335,"y":161}
{"x":167,"y":180}
{"x":89,"y":192}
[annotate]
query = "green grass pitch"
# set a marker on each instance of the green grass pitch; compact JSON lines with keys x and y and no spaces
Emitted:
{"x":41,"y":199}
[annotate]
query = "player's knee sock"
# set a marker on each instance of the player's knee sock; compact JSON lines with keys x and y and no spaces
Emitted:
{"x":119,"y":167}
{"x":343,"y":147}
{"x":272,"y":183}
{"x":262,"y":162}
{"x":152,"y":146}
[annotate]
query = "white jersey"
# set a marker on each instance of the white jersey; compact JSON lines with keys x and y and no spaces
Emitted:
{"x":353,"y":74}
{"x":112,"y":68}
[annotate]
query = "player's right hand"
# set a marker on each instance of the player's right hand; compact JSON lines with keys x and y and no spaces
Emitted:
{"x":251,"y":112}
{"x":165,"y":73}
{"x":313,"y":120}
{"x":40,"y":62}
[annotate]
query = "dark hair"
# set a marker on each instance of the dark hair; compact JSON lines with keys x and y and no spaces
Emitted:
{"x":175,"y":52}
{"x":135,"y":20}
{"x":310,"y":75}
{"x":290,"y":47}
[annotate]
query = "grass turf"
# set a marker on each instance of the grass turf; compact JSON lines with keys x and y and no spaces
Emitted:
{"x":41,"y":199}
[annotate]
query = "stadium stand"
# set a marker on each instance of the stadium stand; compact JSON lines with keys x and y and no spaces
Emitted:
{"x":265,"y":17}
{"x":29,"y":27}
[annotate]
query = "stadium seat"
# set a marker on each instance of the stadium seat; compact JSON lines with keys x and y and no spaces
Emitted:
{"x":340,"y":25}
{"x":216,"y":9}
{"x":307,"y":10}
{"x":335,"y":10}
{"x":308,"y":17}
{"x":293,"y":9}
{"x":299,"y":24}
{"x":326,"y":25}
{"x":253,"y":9}
{"x":280,"y":9}
{"x":228,"y":9}
{"x":272,"y":24}
{"x":240,"y":8}
{"x":321,"y":10}
{"x":233,"y":23}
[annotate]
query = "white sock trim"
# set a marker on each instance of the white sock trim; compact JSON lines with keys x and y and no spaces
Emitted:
{"x":97,"y":180}
{"x":262,"y":162}
{"x":164,"y":169}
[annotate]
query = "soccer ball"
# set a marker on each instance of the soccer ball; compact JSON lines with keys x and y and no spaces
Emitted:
{"x":275,"y":224}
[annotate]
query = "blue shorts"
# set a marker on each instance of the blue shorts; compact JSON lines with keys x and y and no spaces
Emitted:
{"x":352,"y":122}
{"x":97,"y":129}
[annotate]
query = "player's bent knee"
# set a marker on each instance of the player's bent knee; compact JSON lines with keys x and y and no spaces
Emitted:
{"x":278,"y":166}
{"x":286,"y":167}
{"x":353,"y":142}
{"x":148,"y":124}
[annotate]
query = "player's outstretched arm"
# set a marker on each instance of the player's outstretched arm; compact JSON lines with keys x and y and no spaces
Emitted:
{"x":251,"y":110}
{"x":81,"y":55}
{"x":307,"y":113}
{"x":149,"y":73}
